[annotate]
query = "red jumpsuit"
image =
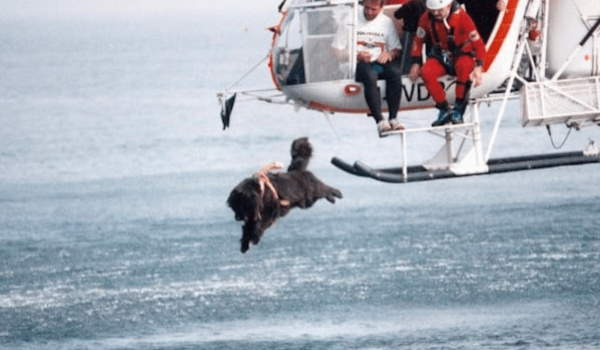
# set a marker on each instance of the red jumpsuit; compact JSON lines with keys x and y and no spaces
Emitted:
{"x":469,"y":51}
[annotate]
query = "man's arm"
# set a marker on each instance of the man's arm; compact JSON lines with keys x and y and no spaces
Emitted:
{"x":388,"y":56}
{"x":417,"y":49}
{"x":391,"y":48}
{"x":363,"y":56}
{"x":479,"y":46}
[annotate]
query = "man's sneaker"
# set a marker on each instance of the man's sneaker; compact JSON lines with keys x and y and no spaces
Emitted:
{"x":442,"y":119}
{"x":383,"y":126}
{"x":396,"y":125}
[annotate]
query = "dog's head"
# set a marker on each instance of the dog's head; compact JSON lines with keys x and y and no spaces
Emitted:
{"x":249,"y":204}
{"x":245,"y":200}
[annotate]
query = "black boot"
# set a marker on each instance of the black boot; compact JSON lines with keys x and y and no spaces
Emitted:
{"x":442,"y":114}
{"x":460,"y":106}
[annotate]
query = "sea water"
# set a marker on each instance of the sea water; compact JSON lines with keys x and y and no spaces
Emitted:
{"x":114,"y":232}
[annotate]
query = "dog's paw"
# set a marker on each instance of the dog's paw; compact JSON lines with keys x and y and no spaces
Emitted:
{"x":337,"y":193}
{"x":244,"y":246}
{"x":245,"y":243}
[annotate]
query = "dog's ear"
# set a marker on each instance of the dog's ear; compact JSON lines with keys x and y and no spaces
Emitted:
{"x":236,"y":203}
{"x":245,"y":200}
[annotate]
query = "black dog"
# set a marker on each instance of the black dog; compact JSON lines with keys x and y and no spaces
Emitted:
{"x":265,"y":197}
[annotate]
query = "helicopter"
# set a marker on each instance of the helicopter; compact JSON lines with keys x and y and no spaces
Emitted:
{"x":560,"y":85}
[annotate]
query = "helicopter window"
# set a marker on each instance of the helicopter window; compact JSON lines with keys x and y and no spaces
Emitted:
{"x":320,"y":23}
{"x":323,"y":26}
{"x":288,"y":60}
{"x":303,"y":52}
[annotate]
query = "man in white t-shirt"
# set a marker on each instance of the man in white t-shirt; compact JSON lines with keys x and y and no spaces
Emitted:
{"x":378,"y":48}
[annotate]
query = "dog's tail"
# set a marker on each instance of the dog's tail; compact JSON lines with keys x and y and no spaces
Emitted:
{"x":301,"y":152}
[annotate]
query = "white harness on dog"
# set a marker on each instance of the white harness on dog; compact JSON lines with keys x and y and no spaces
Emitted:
{"x":264,"y":181}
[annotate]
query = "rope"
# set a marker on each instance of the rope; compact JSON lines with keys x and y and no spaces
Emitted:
{"x":264,"y":181}
{"x":248,"y":73}
{"x":563,"y":141}
{"x":333,"y":129}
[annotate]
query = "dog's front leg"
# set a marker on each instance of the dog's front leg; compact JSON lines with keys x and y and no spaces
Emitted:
{"x":248,"y":235}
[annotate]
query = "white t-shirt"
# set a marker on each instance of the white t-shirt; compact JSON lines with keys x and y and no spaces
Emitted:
{"x":372,"y":35}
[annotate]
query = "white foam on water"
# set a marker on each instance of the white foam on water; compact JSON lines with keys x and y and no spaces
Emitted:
{"x":348,"y":326}
{"x":63,"y":295}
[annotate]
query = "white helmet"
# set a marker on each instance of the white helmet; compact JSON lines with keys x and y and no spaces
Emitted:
{"x":438,"y":4}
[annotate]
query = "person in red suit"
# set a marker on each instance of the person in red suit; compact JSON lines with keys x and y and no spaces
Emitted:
{"x":457,"y":49}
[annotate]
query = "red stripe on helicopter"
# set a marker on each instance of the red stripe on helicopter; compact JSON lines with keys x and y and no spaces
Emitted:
{"x":501,"y":33}
{"x":324,"y":107}
{"x":276,"y":29}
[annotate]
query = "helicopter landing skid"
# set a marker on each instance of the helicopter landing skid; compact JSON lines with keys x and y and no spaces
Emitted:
{"x":495,"y":166}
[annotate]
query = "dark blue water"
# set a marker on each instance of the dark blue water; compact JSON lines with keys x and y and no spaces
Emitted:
{"x":114,"y":233}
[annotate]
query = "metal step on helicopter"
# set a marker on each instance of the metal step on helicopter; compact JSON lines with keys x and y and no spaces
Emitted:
{"x":560,"y":84}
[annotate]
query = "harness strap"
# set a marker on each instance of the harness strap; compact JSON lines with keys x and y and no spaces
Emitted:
{"x":455,"y":50}
{"x":263,"y":181}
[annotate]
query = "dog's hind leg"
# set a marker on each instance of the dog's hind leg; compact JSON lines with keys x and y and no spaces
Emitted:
{"x":332,"y":193}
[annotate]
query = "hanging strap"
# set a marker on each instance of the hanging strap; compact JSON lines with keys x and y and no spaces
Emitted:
{"x":455,"y":50}
{"x":264,"y":182}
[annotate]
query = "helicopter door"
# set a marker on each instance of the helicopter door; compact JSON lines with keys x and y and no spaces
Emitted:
{"x":288,"y":60}
{"x":303,"y":53}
